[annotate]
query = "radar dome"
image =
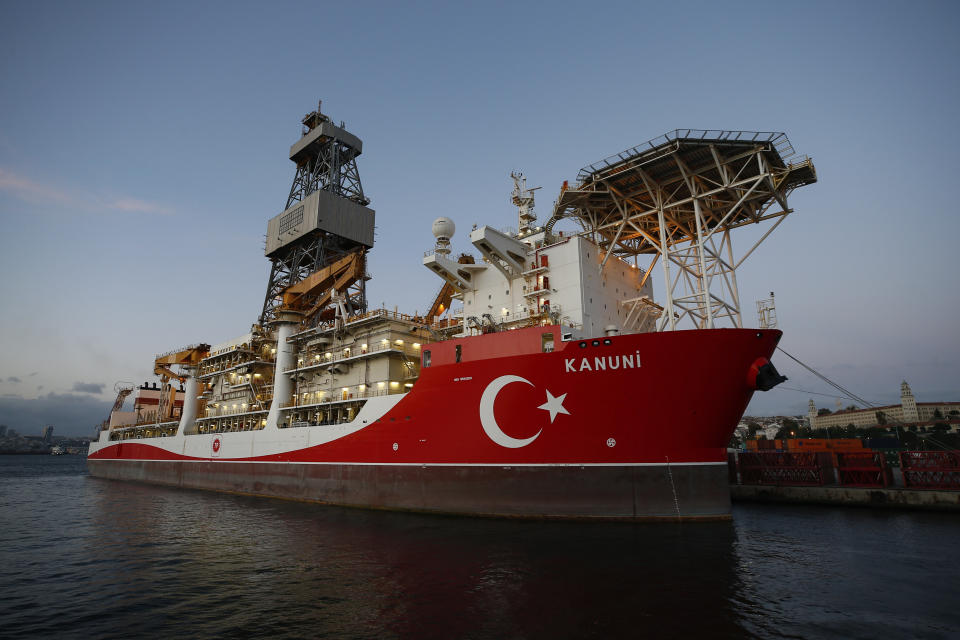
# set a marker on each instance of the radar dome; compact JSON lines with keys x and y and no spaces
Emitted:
{"x":443,"y":228}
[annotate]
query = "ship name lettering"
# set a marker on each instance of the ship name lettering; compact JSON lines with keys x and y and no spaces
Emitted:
{"x":602,"y":363}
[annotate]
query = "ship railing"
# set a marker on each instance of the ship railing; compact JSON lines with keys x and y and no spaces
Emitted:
{"x":360,"y":317}
{"x":144,"y":425}
{"x":446,"y":323}
{"x":188,"y":347}
{"x":150,"y":418}
{"x":526,"y":313}
{"x":228,"y":424}
{"x":138,"y":431}
{"x":222,"y":412}
{"x":213,"y":369}
{"x":778,"y":139}
{"x":350,"y":397}
{"x":386,"y":314}
{"x":310,"y":360}
{"x":235,"y":349}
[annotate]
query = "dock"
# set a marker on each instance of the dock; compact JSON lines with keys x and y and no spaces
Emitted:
{"x":928,"y":480}
{"x":850,"y":496}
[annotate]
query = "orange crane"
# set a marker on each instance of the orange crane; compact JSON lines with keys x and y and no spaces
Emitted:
{"x":191,"y":356}
{"x":442,"y":302}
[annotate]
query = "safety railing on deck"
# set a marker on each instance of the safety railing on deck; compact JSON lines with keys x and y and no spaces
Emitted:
{"x":931,"y":469}
{"x":334,"y":399}
{"x":780,"y":468}
{"x":863,"y":469}
{"x":310,"y":359}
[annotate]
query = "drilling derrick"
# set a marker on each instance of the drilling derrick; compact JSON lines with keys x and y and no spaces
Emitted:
{"x":326,"y":219}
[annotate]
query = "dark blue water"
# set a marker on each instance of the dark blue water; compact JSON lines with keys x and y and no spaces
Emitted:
{"x":82,"y":557}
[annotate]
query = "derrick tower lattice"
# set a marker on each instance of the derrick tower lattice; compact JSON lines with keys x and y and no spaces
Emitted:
{"x":326,"y":218}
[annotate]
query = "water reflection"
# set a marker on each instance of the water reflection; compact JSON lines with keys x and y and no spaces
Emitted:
{"x":84,"y":557}
{"x":261,"y":566}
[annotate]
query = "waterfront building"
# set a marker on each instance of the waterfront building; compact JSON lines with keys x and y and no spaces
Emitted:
{"x":742,"y":431}
{"x":771,"y":430}
{"x":909,"y":412}
{"x":47,"y":433}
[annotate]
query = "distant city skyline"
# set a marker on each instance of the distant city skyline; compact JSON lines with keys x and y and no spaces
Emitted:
{"x":145,"y":148}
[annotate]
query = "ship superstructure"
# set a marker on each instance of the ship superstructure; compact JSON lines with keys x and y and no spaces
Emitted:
{"x":556,"y":387}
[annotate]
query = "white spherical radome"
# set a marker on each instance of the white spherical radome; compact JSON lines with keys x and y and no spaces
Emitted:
{"x":443,"y":228}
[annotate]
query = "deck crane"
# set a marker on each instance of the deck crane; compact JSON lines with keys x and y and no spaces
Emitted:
{"x":442,"y":302}
{"x":187,"y":357}
{"x":123,"y":390}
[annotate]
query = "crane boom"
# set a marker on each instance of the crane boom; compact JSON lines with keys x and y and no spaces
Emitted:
{"x":442,"y":302}
{"x":313,"y":293}
{"x":191,"y":356}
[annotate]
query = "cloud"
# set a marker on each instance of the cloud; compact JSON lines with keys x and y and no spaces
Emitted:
{"x":26,"y":189}
{"x":133,"y":205}
{"x":13,"y":379}
{"x":72,"y":414}
{"x":35,"y":192}
{"x":88,"y":387}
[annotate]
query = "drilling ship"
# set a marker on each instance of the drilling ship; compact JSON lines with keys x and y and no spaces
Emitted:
{"x":544,"y":381}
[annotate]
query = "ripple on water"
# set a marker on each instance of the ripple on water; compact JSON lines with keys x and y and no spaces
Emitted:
{"x":84,"y":557}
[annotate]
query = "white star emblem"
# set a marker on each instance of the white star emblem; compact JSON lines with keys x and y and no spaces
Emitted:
{"x":554,"y":406}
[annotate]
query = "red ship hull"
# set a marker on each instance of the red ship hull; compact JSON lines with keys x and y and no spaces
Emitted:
{"x":629,"y":427}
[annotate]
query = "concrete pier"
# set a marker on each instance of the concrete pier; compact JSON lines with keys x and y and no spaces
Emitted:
{"x":849,"y":496}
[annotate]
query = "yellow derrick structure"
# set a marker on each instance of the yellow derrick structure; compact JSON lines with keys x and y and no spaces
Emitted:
{"x":315,"y":292}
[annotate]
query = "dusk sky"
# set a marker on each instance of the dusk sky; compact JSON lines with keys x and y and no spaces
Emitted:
{"x":143,"y":147}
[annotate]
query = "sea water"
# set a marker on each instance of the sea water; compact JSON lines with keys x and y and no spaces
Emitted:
{"x":83,"y":557}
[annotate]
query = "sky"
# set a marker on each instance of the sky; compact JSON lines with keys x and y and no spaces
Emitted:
{"x":143,"y":147}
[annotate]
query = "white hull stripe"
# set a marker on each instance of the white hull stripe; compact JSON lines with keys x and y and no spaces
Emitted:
{"x":429,"y":464}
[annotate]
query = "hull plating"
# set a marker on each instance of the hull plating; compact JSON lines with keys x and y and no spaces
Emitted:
{"x":568,"y":492}
{"x":594,"y":429}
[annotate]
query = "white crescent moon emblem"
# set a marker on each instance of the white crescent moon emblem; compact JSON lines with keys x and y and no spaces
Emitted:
{"x":489,"y":423}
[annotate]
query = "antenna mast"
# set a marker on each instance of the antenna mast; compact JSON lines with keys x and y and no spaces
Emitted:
{"x":767,"y":313}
